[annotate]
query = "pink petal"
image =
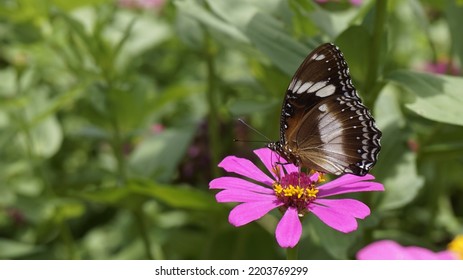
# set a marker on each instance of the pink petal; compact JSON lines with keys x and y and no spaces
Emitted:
{"x":237,"y":183}
{"x":446,"y":255}
{"x":382,"y":250}
{"x":247,"y":212}
{"x":314,"y":177}
{"x":347,"y":179}
{"x":246,"y":168}
{"x":419,"y":253}
{"x":339,"y":221}
{"x":270,"y":159}
{"x":289,"y":229}
{"x":349,"y":188}
{"x":349,"y":206}
{"x":242,"y":196}
{"x":289,"y":167}
{"x":391,"y":250}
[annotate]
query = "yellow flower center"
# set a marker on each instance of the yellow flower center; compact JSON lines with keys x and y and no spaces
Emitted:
{"x":296,"y":190}
{"x":456,"y":246}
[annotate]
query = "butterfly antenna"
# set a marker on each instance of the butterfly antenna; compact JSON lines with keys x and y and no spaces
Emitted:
{"x":253,"y":129}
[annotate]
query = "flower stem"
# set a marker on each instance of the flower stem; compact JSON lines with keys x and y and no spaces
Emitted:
{"x":38,"y":169}
{"x":213,"y":120}
{"x":375,"y":53}
{"x":140,"y":221}
{"x":291,"y":253}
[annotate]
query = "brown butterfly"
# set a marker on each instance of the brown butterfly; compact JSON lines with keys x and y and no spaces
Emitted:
{"x":324,"y":126}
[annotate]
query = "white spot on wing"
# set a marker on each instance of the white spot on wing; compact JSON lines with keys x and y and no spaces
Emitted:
{"x":291,"y":85}
{"x":326,"y":91}
{"x":322,"y":108}
{"x":330,"y":128}
{"x":297,"y":85}
{"x":319,"y":57}
{"x":317,"y":86}
{"x":304,"y":87}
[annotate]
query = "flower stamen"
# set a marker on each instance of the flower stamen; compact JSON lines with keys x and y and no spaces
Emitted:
{"x":296,"y":190}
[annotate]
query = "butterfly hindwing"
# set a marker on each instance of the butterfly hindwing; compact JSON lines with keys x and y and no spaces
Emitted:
{"x":324,"y":125}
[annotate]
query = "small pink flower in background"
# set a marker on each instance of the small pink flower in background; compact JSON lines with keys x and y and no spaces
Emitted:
{"x":391,"y":250}
{"x":142,"y":4}
{"x":441,"y":67}
{"x":294,"y":193}
{"x":157,"y":128}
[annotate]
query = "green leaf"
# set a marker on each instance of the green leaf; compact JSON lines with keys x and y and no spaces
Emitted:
{"x":437,"y":97}
{"x":13,"y":249}
{"x":66,"y":209}
{"x":135,"y":193}
{"x":134,"y":34}
{"x":194,"y":10}
{"x":396,"y":167}
{"x":245,"y":107}
{"x":354,"y":43}
{"x":269,"y":36}
{"x":455,"y":22}
{"x":117,"y":196}
{"x":45,"y":132}
{"x":403,"y":186}
{"x":159,"y":155}
{"x":70,"y":5}
{"x":301,"y":8}
{"x":334,"y":242}
{"x":177,"y":196}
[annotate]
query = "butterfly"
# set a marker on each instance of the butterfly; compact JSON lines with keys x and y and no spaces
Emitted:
{"x":323,"y":125}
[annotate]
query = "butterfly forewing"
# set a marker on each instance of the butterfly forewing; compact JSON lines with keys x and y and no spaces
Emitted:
{"x":324,"y":125}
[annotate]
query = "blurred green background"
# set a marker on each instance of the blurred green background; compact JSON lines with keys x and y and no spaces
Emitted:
{"x":115,"y":114}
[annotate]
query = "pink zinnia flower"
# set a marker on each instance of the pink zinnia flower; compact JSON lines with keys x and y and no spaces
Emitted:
{"x":391,"y":250}
{"x":294,"y":193}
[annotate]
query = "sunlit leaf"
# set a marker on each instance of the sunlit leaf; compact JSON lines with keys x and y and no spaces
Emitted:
{"x":437,"y":97}
{"x":269,"y":37}
{"x":192,"y":9}
{"x":396,"y":167}
{"x":12,"y":249}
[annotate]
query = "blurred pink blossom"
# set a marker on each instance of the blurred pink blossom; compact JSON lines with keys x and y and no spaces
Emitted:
{"x":391,"y":250}
{"x":142,"y":4}
{"x":441,"y":66}
{"x":157,"y":128}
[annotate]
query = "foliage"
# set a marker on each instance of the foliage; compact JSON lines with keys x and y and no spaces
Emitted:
{"x":113,"y":120}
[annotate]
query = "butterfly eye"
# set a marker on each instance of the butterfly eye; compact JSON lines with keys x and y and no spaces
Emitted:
{"x":324,"y":125}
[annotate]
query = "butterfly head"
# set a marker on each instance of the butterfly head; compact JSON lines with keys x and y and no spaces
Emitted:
{"x":284,"y":152}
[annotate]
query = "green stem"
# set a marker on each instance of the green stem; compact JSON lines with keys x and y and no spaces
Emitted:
{"x":117,"y":145}
{"x":38,"y":169}
{"x":291,"y":253}
{"x":213,"y":118}
{"x":375,"y":53}
{"x":140,"y":221}
{"x":68,"y":239}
